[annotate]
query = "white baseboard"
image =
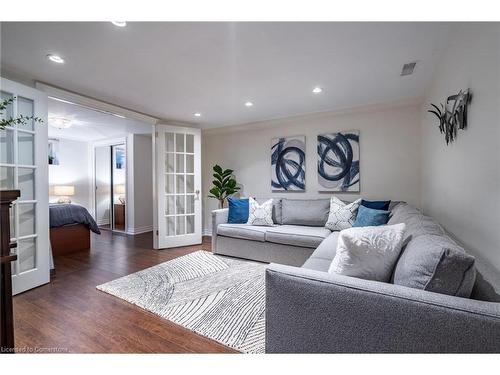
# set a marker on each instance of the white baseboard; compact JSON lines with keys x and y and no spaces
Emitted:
{"x":139,"y":230}
{"x":206,"y":232}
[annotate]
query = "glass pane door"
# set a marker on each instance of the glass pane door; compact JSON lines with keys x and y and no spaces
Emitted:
{"x":24,"y":167}
{"x":178,"y":180}
{"x":179,"y":183}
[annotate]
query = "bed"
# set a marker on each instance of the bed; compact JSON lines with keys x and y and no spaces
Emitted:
{"x":70,"y":226}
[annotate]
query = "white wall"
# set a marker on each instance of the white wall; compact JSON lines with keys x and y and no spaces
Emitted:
{"x":139,"y":186}
{"x":461,"y":182}
{"x":389,"y":153}
{"x":73,"y":169}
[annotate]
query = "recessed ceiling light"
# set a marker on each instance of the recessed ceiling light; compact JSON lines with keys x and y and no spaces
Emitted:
{"x":119,"y":23}
{"x":317,"y":90}
{"x":60,"y":122}
{"x":248,"y":104}
{"x":197,"y":114}
{"x":55,"y":58}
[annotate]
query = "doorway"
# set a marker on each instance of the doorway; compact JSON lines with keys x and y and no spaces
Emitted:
{"x":110,"y":187}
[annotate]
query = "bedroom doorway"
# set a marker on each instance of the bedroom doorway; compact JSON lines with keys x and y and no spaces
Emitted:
{"x":110,"y":186}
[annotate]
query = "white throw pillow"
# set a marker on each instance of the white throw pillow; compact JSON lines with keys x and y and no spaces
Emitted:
{"x":260,"y":214}
{"x":368,"y":252}
{"x":342,"y":216}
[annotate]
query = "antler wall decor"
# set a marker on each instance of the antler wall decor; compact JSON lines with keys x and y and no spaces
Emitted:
{"x":453,"y":116}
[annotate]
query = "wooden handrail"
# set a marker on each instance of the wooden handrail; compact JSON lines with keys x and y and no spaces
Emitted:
{"x":6,"y":257}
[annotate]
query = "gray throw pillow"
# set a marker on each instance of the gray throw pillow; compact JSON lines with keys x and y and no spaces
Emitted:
{"x":437,"y":264}
{"x":310,"y":212}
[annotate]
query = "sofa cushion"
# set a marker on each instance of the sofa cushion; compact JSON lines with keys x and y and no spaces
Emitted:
{"x":436,"y":263}
{"x":368,"y":252}
{"x":369,"y":217}
{"x":238,"y":210}
{"x":244,"y":231}
{"x":376,"y":205}
{"x":341,"y":215}
{"x":260,"y":214}
{"x":297,"y":235}
{"x":276,"y":208}
{"x":327,"y":248}
{"x":417,"y":224}
{"x":309,"y":212}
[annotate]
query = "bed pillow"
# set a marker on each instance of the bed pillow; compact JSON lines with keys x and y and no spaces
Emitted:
{"x":260,"y":214}
{"x":376,"y":205}
{"x":342,"y":215}
{"x":368,"y":252}
{"x":238,"y":211}
{"x":368,"y":217}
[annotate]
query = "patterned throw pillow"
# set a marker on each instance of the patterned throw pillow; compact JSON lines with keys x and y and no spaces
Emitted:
{"x":342,"y":215}
{"x":368,"y":252}
{"x":260,"y":214}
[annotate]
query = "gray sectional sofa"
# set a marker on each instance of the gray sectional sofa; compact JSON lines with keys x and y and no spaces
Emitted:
{"x":311,"y":310}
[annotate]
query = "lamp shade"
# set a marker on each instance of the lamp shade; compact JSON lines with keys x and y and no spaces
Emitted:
{"x":120,"y":189}
{"x":64,"y":190}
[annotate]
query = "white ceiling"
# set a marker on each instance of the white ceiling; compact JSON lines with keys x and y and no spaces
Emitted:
{"x":89,"y":125}
{"x":171,"y":70}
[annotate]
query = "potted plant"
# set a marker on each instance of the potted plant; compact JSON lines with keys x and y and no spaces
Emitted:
{"x":224,"y":185}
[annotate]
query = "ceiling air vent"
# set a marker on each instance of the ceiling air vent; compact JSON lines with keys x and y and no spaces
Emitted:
{"x":408,"y":68}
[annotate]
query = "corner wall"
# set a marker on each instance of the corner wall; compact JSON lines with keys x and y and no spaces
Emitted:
{"x":461,"y":182}
{"x":140,"y":184}
{"x":389,"y":153}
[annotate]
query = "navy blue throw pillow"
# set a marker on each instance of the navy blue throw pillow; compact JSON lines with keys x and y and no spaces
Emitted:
{"x":238,"y":211}
{"x":368,"y":217}
{"x":376,"y":205}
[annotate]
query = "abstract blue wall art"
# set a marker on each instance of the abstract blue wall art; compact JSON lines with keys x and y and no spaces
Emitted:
{"x":288,"y":164}
{"x":338,"y":161}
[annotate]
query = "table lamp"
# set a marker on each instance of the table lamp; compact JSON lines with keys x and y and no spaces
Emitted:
{"x":120,"y":189}
{"x":64,"y":192}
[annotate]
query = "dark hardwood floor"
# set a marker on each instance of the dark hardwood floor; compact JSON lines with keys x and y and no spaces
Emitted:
{"x":70,"y":315}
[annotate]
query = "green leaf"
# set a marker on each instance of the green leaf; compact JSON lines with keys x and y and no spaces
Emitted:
{"x":217,"y":183}
{"x":217,"y":169}
{"x":216,"y":191}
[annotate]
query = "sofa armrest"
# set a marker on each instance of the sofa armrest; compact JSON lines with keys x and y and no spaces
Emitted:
{"x":316,"y":312}
{"x":218,"y":217}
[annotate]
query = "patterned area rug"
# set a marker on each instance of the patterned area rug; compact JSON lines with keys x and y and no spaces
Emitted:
{"x":217,"y":297}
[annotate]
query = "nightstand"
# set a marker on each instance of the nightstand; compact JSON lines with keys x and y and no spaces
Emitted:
{"x":119,"y":213}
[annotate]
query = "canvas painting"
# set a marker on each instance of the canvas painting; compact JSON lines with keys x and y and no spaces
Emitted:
{"x":288,"y":164}
{"x":338,"y":162}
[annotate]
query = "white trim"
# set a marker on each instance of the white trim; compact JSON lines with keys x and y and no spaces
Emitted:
{"x":129,"y":182}
{"x":154,"y":146}
{"x":85,"y":101}
{"x":139,"y":230}
{"x":207,"y":232}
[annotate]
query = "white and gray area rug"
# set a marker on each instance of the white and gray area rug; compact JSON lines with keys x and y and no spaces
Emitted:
{"x":217,"y":297}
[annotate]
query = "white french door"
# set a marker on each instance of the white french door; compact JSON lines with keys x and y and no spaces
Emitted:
{"x":24,"y":166}
{"x":178,"y":186}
